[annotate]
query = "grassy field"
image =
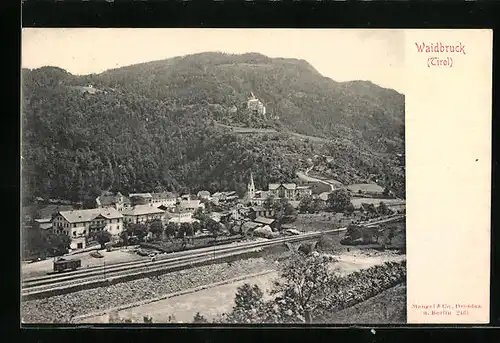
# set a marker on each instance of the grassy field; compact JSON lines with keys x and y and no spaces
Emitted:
{"x":238,"y":129}
{"x":388,"y":307}
{"x":365,"y":187}
{"x":322,"y":221}
{"x":376,"y":201}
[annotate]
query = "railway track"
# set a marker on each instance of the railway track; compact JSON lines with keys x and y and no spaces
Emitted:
{"x":103,"y":274}
{"x":97,"y":276}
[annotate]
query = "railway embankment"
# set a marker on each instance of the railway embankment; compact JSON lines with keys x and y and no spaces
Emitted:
{"x":64,"y":307}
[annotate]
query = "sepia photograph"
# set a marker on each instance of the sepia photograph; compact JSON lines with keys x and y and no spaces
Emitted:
{"x":217,"y":176}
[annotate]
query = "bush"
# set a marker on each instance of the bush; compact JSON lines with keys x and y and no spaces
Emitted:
{"x":325,"y":243}
{"x":199,"y":319}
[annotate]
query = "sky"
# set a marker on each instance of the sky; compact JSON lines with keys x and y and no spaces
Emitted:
{"x":342,"y":55}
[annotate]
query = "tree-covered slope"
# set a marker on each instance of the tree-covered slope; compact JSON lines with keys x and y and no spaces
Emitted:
{"x":154,"y":126}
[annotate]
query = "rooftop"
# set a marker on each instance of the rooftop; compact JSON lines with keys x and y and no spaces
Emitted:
{"x":163,"y":195}
{"x":249,"y":226}
{"x":79,"y":216}
{"x":263,"y":220}
{"x":142,"y":210}
{"x":142,"y":195}
{"x":190,"y":203}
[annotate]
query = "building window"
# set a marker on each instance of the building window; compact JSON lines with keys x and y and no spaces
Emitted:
{"x":79,"y":245}
{"x":74,"y":233}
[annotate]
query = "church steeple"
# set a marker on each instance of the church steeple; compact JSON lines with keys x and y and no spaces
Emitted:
{"x":251,"y":187}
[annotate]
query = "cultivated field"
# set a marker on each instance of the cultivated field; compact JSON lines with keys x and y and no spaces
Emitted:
{"x":215,"y":300}
{"x":365,"y":187}
{"x":388,"y":307}
{"x":243,"y":130}
{"x":376,"y":201}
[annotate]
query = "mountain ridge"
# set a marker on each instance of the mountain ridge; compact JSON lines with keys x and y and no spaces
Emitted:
{"x":155,"y":120}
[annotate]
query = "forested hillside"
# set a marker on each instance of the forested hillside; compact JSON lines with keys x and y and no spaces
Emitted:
{"x":153,"y":126}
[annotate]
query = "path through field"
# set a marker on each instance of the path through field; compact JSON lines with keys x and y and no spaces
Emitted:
{"x":212,"y":301}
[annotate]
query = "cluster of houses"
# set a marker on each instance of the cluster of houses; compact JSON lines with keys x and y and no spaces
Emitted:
{"x":113,"y":211}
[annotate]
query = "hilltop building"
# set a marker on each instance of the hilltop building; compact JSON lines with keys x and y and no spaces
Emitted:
{"x":256,"y":106}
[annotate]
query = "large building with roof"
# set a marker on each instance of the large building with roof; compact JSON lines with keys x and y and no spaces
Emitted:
{"x":256,"y":106}
{"x":165,"y":199}
{"x":79,"y":224}
{"x":140,"y":198}
{"x":180,"y":216}
{"x":289,"y":191}
{"x":142,"y":214}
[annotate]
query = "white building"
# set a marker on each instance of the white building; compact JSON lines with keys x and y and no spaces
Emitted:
{"x":79,"y":224}
{"x":182,"y":216}
{"x":142,"y":214}
{"x":256,"y":106}
{"x":289,"y":190}
{"x":165,"y":199}
{"x":203,"y":195}
{"x":191,"y":205}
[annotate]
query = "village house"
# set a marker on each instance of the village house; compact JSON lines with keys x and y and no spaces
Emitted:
{"x":257,"y":211}
{"x":259,"y":198}
{"x":224,"y":197}
{"x":117,"y":201}
{"x":191,"y":205}
{"x":142,"y":214}
{"x":248,"y":227}
{"x":180,"y":216}
{"x":140,"y":198}
{"x":166,"y":199}
{"x":79,"y":224}
{"x":43,"y":224}
{"x":289,"y":191}
{"x":220,"y":216}
{"x":203,"y":195}
{"x":239,"y":211}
